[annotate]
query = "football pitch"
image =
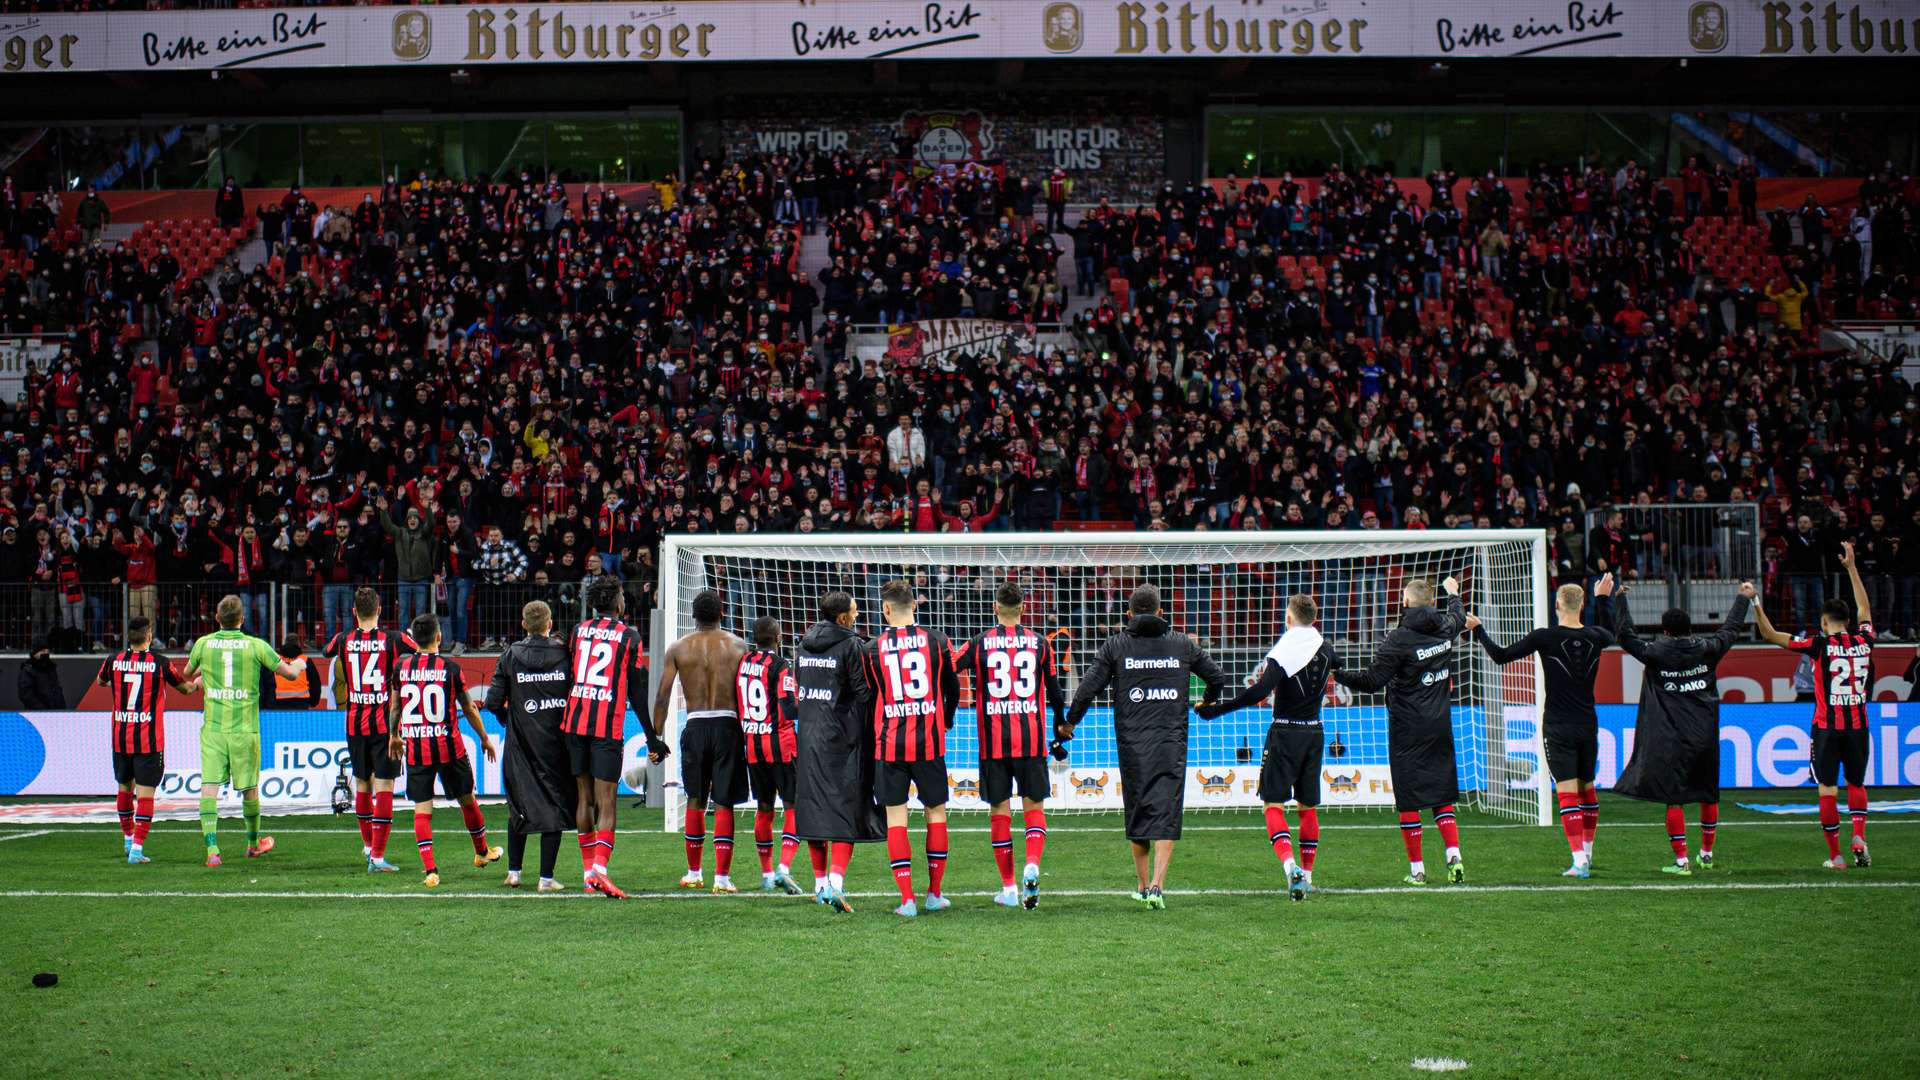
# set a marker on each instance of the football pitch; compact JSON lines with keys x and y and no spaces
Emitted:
{"x":303,"y":965}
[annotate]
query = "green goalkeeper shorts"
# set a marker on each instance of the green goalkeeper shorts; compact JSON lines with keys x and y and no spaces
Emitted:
{"x":229,"y":757}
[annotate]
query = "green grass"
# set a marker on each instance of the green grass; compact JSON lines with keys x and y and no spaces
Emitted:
{"x":1797,"y":972}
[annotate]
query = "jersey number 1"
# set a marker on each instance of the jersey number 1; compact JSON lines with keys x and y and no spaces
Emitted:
{"x":907,"y":675}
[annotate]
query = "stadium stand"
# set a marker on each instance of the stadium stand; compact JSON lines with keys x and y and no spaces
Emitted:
{"x":553,"y":376}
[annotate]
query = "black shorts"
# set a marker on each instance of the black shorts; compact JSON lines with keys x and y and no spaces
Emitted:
{"x":1833,"y":748}
{"x":456,"y":779}
{"x":713,"y":761}
{"x":370,"y":758}
{"x":143,"y":769}
{"x":770,"y":778}
{"x":599,"y":758}
{"x":890,"y":780}
{"x":1290,"y":764}
{"x":1000,"y":777}
{"x":1573,"y":755}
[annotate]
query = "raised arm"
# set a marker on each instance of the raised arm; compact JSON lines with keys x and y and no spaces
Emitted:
{"x":1623,"y":630}
{"x":669,"y":673}
{"x":1210,"y":672}
{"x":1271,"y":676}
{"x":1499,"y":654}
{"x":1862,"y":611}
{"x":1761,"y":623}
{"x":1386,"y":664}
{"x":1050,"y":680}
{"x":458,"y":688}
{"x":949,"y":683}
{"x":1099,"y":675}
{"x":1452,"y":612}
{"x":498,"y":686}
{"x":1735,"y":623}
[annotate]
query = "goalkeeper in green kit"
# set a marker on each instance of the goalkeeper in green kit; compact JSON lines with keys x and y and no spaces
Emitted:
{"x":230,"y":662}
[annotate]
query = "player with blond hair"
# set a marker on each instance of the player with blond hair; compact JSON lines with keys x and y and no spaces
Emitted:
{"x":1570,"y":655}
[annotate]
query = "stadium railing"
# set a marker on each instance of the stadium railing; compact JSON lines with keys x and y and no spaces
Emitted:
{"x":91,"y":616}
{"x":1692,"y":555}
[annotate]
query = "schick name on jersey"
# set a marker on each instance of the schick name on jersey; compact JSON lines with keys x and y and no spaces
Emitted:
{"x":366,"y":645}
{"x":1157,"y":663}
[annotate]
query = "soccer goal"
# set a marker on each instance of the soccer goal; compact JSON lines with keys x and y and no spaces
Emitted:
{"x":1227,"y":590}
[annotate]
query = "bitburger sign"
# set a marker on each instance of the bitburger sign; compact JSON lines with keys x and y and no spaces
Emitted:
{"x":695,"y":31}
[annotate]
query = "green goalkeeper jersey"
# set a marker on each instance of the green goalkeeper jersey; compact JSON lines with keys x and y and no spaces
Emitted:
{"x":231,"y":661}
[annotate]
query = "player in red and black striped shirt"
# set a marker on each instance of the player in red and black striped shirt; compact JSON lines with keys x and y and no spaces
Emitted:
{"x":1843,"y":666}
{"x":1015,"y":682}
{"x":363,"y":663}
{"x":609,"y":677}
{"x":139,"y":677}
{"x":427,"y":688}
{"x":769,"y":698}
{"x":908,"y":671}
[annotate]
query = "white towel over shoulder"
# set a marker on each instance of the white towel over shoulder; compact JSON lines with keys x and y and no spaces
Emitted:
{"x":1295,"y":649}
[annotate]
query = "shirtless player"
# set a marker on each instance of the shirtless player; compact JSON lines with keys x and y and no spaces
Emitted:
{"x":713,"y":753}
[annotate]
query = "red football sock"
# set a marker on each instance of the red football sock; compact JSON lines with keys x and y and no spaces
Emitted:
{"x":1590,"y":810}
{"x":1449,"y":827}
{"x":1573,"y":821}
{"x":1410,"y":834}
{"x":142,"y":819}
{"x":586,"y":850}
{"x":936,"y":856}
{"x":381,"y":826}
{"x":723,"y":841}
{"x":1677,"y":831}
{"x":763,"y":839}
{"x":817,"y":855}
{"x":1036,"y":818}
{"x":789,"y":843}
{"x":1709,"y":826}
{"x":423,"y":836}
{"x":363,"y":809}
{"x":900,"y":853}
{"x":1000,"y":827}
{"x":696,"y":837}
{"x":842,"y":854}
{"x":604,"y":853}
{"x":1277,"y":833}
{"x":476,"y":826}
{"x":1857,"y":806}
{"x":123,"y":803}
{"x":1309,"y":836}
{"x":1830,"y":823}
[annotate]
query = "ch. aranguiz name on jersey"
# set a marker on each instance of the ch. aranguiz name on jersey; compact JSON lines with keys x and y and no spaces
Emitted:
{"x":369,"y":656}
{"x":911,"y":671}
{"x":606,"y":659}
{"x":429,"y":689}
{"x":139,"y":679}
{"x":1014,"y":684}
{"x":1843,"y":666}
{"x":768,"y":694}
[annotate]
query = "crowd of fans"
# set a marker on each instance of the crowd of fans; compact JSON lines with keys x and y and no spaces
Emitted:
{"x":476,"y":392}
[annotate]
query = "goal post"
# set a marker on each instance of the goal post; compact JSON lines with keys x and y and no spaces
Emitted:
{"x":1226,"y":589}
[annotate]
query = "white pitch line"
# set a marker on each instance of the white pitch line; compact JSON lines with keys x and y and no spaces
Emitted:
{"x":26,"y":835}
{"x":1055,"y":830}
{"x":528,"y":894}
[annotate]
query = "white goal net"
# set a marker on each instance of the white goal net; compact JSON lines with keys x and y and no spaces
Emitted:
{"x":1227,"y":590}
